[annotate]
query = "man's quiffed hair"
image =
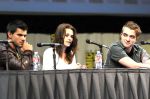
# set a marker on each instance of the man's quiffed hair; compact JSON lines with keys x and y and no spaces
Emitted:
{"x":133,"y":26}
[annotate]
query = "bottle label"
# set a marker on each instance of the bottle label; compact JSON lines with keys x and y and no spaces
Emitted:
{"x":36,"y":62}
{"x":98,"y":60}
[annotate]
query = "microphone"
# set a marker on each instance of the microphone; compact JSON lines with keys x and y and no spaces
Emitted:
{"x":48,"y":44}
{"x":144,"y":42}
{"x":5,"y":41}
{"x":91,"y":42}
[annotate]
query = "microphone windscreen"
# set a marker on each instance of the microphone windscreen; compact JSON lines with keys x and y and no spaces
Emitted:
{"x":88,"y":41}
{"x":142,"y":42}
{"x":39,"y":44}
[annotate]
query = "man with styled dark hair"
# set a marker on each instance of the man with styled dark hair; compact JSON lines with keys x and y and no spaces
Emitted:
{"x":17,"y":53}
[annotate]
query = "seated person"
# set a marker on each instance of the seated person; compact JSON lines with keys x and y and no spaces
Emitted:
{"x":16,"y":55}
{"x":65,"y":54}
{"x":125,"y":53}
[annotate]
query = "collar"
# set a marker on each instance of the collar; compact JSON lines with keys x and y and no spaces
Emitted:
{"x":134,"y":47}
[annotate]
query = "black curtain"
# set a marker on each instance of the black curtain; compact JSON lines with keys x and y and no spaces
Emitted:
{"x":75,"y":84}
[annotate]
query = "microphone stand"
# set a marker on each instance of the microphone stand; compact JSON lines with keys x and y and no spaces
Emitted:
{"x":54,"y":57}
{"x":53,"y":45}
{"x":100,"y":49}
{"x":6,"y":43}
{"x":7,"y":57}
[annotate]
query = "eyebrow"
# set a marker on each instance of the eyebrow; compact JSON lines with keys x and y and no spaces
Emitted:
{"x":127,"y":34}
{"x":68,"y":34}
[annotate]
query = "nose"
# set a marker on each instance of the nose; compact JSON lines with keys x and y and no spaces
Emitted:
{"x":128,"y":38}
{"x":23,"y":38}
{"x":69,"y":37}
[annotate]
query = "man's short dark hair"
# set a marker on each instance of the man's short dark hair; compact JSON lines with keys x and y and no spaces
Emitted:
{"x":13,"y":25}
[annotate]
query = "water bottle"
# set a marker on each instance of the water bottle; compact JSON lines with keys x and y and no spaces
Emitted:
{"x":36,"y":62}
{"x":98,"y":60}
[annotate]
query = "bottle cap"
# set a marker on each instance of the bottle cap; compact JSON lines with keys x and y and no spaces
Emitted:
{"x":98,"y":52}
{"x":36,"y":52}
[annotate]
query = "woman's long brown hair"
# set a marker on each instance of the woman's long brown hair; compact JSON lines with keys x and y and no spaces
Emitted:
{"x":59,"y":38}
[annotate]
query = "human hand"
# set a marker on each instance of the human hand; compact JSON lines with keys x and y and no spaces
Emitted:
{"x":79,"y":66}
{"x":145,"y":66}
{"x":26,"y":46}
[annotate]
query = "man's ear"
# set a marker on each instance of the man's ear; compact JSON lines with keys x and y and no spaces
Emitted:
{"x":121,"y":33}
{"x":9,"y":35}
{"x":120,"y":36}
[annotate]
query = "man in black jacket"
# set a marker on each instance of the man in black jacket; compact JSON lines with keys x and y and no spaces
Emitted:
{"x":17,"y":53}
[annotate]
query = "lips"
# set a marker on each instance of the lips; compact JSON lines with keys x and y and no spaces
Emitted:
{"x":127,"y":43}
{"x":21,"y":43}
{"x":68,"y":42}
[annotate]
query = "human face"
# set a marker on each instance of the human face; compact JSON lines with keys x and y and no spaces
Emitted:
{"x":18,"y":37}
{"x":128,"y":37}
{"x":68,"y":38}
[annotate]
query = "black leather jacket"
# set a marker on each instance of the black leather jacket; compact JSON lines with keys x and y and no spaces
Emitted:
{"x":14,"y":59}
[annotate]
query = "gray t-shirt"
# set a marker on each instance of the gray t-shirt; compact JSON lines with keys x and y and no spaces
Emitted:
{"x":117,"y":51}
